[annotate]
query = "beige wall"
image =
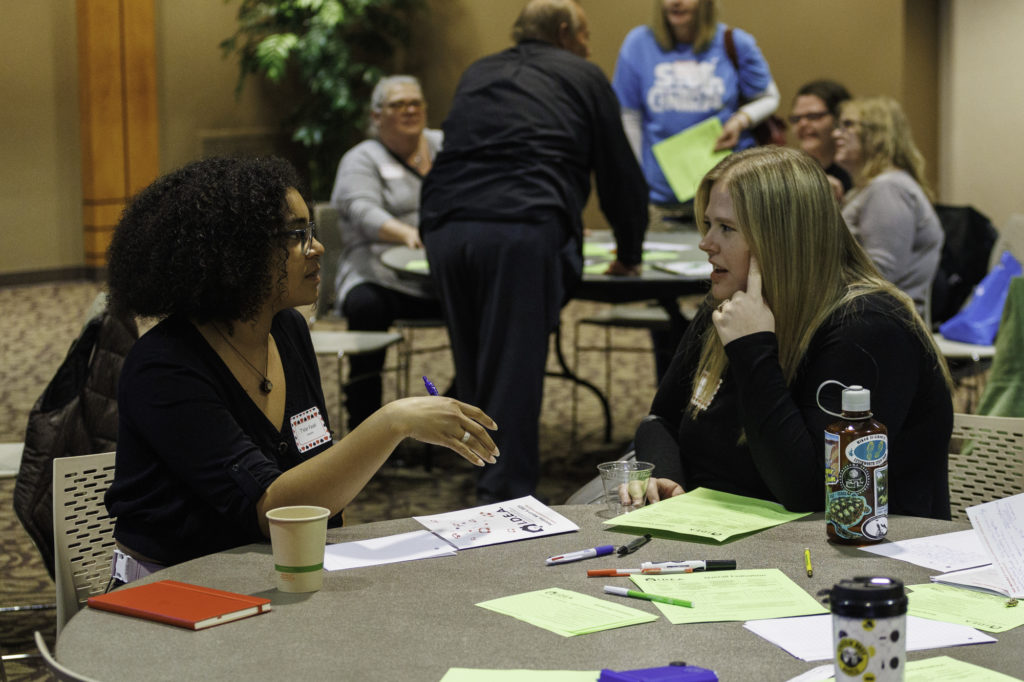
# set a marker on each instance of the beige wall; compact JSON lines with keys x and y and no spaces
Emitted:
{"x":882,"y":48}
{"x":197,"y":85}
{"x":40,"y":186}
{"x":874,"y":46}
{"x":982,"y":105}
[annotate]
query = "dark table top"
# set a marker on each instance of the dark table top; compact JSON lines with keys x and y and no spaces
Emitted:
{"x":415,"y":620}
{"x":655,"y":281}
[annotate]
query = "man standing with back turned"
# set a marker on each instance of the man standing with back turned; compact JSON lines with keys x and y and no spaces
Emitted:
{"x":500,"y":219}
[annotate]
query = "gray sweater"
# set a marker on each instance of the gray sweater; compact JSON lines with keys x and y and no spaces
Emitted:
{"x":372,"y":186}
{"x":895,"y":223}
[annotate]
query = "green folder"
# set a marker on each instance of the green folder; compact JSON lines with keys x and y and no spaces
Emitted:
{"x":687,"y":156}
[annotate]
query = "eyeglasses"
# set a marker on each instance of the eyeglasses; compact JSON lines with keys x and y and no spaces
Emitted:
{"x":403,"y":104}
{"x":305,"y":235}
{"x":811,"y":117}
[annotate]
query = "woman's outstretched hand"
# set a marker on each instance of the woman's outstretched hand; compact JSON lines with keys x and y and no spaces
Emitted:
{"x":746,"y":312}
{"x":446,"y":422}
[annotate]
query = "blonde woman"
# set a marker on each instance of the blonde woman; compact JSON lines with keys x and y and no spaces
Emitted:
{"x":889,"y":210}
{"x":794,"y":302}
{"x":676,"y":72}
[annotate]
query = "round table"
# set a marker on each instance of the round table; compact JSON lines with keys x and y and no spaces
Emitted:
{"x":415,"y":620}
{"x":656,"y":281}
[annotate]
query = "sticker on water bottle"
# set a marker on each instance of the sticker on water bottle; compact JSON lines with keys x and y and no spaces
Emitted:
{"x":868,"y":449}
{"x":831,"y":458}
{"x":882,"y":490}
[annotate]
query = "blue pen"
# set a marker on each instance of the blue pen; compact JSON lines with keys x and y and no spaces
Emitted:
{"x":580,"y":555}
{"x":431,"y":389}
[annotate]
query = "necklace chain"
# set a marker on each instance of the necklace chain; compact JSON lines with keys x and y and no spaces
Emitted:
{"x":266,"y":386}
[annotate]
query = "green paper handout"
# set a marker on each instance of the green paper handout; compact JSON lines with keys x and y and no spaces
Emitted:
{"x":707,"y":514}
{"x":687,"y":156}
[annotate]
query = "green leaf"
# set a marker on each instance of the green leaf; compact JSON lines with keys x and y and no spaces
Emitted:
{"x":272,"y":54}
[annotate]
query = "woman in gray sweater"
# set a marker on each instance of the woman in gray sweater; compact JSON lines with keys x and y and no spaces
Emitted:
{"x":377,"y":194}
{"x":889,"y":210}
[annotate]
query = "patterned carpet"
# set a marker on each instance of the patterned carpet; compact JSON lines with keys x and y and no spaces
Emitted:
{"x":40,"y":322}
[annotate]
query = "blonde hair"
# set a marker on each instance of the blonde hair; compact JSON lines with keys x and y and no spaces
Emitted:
{"x":810,"y":264}
{"x":886,"y":140}
{"x":707,"y":26}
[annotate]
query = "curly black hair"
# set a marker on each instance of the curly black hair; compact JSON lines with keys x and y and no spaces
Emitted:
{"x":200,"y":241}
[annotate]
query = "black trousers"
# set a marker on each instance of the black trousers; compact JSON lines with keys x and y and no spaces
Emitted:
{"x":371,"y":307}
{"x":502,"y":287}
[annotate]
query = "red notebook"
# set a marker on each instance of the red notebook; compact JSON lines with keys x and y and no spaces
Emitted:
{"x":181,"y":604}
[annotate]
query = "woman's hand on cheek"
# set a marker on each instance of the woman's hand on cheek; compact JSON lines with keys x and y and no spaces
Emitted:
{"x":746,"y":312}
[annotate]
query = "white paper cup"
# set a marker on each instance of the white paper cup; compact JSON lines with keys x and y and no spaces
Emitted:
{"x":298,"y":536}
{"x":631,"y":476}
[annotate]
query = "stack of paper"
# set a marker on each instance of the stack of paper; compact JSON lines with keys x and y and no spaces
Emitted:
{"x":967,"y":607}
{"x":567,"y":613}
{"x":989,"y":560}
{"x":492,"y":524}
{"x":706,"y":514}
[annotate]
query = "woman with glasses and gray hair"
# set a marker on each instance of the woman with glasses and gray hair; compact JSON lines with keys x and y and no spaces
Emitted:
{"x":221,"y":411}
{"x":377,"y":194}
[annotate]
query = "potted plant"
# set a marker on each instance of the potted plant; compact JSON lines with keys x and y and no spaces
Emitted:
{"x":326,"y":55}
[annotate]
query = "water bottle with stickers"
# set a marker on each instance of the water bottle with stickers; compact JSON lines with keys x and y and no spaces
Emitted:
{"x":856,"y":471}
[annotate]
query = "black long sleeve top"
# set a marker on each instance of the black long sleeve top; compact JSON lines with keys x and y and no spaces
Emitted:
{"x":869,"y":343}
{"x":527,"y":127}
{"x":194,"y":452}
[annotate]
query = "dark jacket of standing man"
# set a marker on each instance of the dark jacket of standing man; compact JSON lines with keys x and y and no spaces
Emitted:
{"x":500,"y":218}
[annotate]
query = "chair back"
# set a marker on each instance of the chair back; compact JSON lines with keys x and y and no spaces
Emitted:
{"x":83,"y":531}
{"x":986,"y":460}
{"x":329,"y":233}
{"x":58,"y":671}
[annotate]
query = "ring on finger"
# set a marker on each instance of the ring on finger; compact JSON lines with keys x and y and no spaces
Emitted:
{"x":465,"y":437}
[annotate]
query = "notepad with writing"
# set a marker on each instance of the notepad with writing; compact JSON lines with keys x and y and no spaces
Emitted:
{"x":182,"y":604}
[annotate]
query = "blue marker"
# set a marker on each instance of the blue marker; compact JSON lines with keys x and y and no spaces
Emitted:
{"x":430,"y":387}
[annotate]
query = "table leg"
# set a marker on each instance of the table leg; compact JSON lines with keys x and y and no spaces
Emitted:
{"x":566,"y":373}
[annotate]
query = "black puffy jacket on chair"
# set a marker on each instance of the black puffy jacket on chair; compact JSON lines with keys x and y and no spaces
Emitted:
{"x":76,"y":415}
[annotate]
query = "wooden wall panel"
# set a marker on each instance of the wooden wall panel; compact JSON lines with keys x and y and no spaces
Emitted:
{"x":118,"y":107}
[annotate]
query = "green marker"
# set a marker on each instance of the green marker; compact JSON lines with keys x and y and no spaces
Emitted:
{"x":623,"y":592}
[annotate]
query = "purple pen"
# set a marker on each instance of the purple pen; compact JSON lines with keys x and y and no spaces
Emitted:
{"x":431,"y":389}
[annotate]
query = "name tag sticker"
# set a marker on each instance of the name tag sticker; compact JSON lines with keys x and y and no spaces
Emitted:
{"x":391,"y":171}
{"x":309,"y":429}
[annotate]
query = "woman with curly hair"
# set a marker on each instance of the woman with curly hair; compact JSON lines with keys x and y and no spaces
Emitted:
{"x":221,"y":411}
{"x":794,"y":302}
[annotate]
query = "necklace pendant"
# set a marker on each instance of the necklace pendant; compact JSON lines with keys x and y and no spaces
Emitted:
{"x":266,"y":386}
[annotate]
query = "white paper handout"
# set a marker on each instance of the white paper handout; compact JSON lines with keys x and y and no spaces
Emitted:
{"x":492,"y":524}
{"x":809,"y":638}
{"x":983,"y":578}
{"x":946,"y":552}
{"x":1000,"y":524}
{"x":419,"y":544}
